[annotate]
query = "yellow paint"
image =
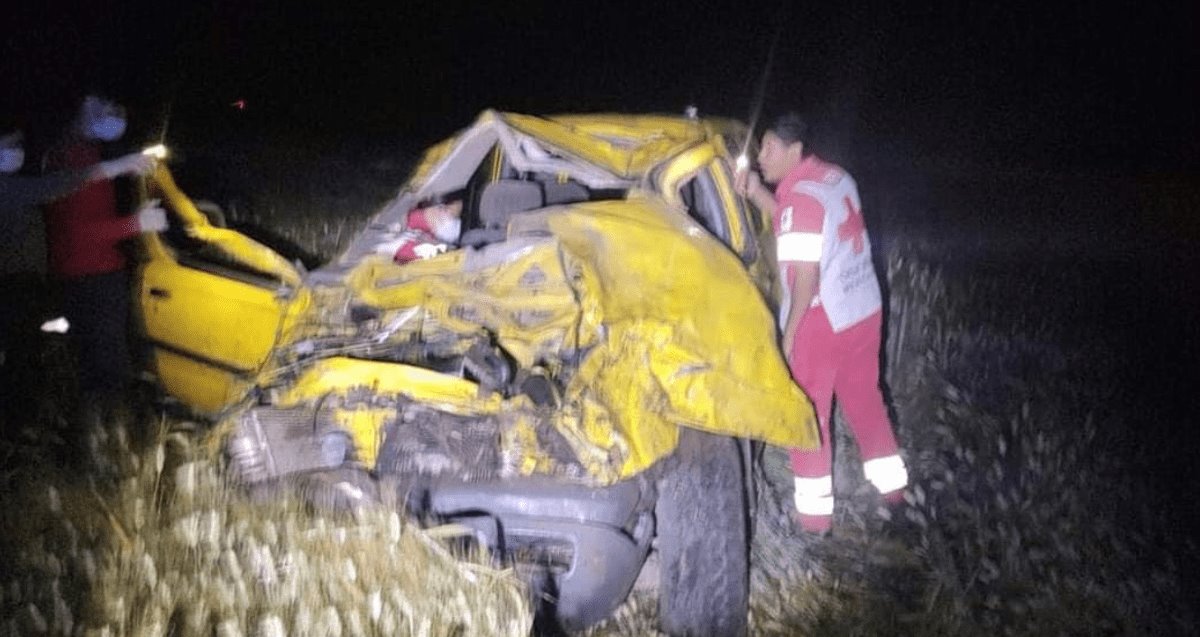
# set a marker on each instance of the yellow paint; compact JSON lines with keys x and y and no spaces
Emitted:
{"x":737,"y":232}
{"x":672,"y":326}
{"x":219,"y":330}
{"x":228,"y":242}
{"x":204,"y":388}
{"x":681,"y":169}
{"x":689,"y":341}
{"x":678,"y":331}
{"x":365,"y":426}
{"x":339,"y":376}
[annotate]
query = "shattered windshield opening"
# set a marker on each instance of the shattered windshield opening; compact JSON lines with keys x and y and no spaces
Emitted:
{"x":703,"y":203}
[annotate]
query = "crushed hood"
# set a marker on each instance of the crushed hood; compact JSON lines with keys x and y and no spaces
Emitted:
{"x":669,"y":329}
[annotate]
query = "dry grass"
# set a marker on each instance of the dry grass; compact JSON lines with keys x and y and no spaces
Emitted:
{"x":1021,"y":520}
{"x":151,"y":541}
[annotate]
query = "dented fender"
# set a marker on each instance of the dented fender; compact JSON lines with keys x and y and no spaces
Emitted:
{"x":647,"y":323}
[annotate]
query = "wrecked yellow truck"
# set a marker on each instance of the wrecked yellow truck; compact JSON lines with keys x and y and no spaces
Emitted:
{"x":574,"y":380}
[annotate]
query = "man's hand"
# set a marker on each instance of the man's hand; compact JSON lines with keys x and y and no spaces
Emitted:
{"x":789,"y":339}
{"x":131,"y":164}
{"x":151,"y":217}
{"x":749,"y":184}
{"x":804,"y":288}
{"x":746,"y":181}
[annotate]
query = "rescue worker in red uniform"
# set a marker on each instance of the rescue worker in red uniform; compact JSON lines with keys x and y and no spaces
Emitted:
{"x":430,"y":229}
{"x":831,"y":313}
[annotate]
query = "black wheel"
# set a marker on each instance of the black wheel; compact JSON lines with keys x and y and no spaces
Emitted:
{"x":702,"y":538}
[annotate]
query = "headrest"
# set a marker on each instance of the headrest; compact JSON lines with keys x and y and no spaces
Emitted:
{"x":505,"y":197}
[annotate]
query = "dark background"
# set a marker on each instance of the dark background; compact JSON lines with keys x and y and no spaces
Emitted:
{"x":1073,"y":85}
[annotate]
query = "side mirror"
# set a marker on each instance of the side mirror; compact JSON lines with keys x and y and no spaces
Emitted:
{"x":213,"y":212}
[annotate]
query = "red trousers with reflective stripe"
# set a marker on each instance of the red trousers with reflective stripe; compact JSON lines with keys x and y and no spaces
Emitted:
{"x":825,"y":363}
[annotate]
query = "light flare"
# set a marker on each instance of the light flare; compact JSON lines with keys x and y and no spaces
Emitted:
{"x":56,"y":326}
{"x":157,"y":151}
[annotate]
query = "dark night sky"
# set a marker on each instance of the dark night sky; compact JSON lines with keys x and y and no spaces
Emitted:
{"x":1072,"y":84}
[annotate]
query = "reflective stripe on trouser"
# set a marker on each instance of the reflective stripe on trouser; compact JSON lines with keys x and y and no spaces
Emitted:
{"x":888,"y":473}
{"x":825,"y":363}
{"x":814,"y":496}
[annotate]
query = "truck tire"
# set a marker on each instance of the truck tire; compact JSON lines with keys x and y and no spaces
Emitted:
{"x":702,"y":538}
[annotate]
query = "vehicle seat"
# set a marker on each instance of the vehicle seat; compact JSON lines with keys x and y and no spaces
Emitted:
{"x":569,"y":192}
{"x":502,"y":198}
{"x":499,"y":201}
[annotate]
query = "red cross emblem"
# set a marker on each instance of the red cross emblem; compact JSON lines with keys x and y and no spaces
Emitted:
{"x":853,"y":227}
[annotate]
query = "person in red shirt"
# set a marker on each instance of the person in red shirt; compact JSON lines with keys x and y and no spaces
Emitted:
{"x":83,"y":235}
{"x":830,"y":315}
{"x":20,"y":196}
{"x":22,"y":248}
{"x":430,"y":229}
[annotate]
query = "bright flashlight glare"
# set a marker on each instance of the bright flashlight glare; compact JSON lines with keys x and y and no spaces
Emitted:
{"x":743,"y":162}
{"x":56,"y":326}
{"x":157,"y":151}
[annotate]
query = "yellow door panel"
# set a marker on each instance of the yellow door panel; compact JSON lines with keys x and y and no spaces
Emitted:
{"x":211,"y":301}
{"x":214,"y":321}
{"x":204,"y":387}
{"x":229,"y":322}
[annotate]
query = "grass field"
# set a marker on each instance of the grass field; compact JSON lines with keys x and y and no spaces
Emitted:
{"x":1028,"y":515}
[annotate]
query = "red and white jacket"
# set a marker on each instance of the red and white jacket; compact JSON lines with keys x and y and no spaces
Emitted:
{"x":818,"y":219}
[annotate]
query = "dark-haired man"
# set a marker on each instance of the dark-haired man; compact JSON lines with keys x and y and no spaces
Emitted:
{"x":830,"y":314}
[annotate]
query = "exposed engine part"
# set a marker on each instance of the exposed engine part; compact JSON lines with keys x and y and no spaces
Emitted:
{"x":425,"y":441}
{"x":487,"y":365}
{"x":247,"y":459}
{"x":270,"y":442}
{"x":336,"y":448}
{"x":538,"y":386}
{"x":364,"y":313}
